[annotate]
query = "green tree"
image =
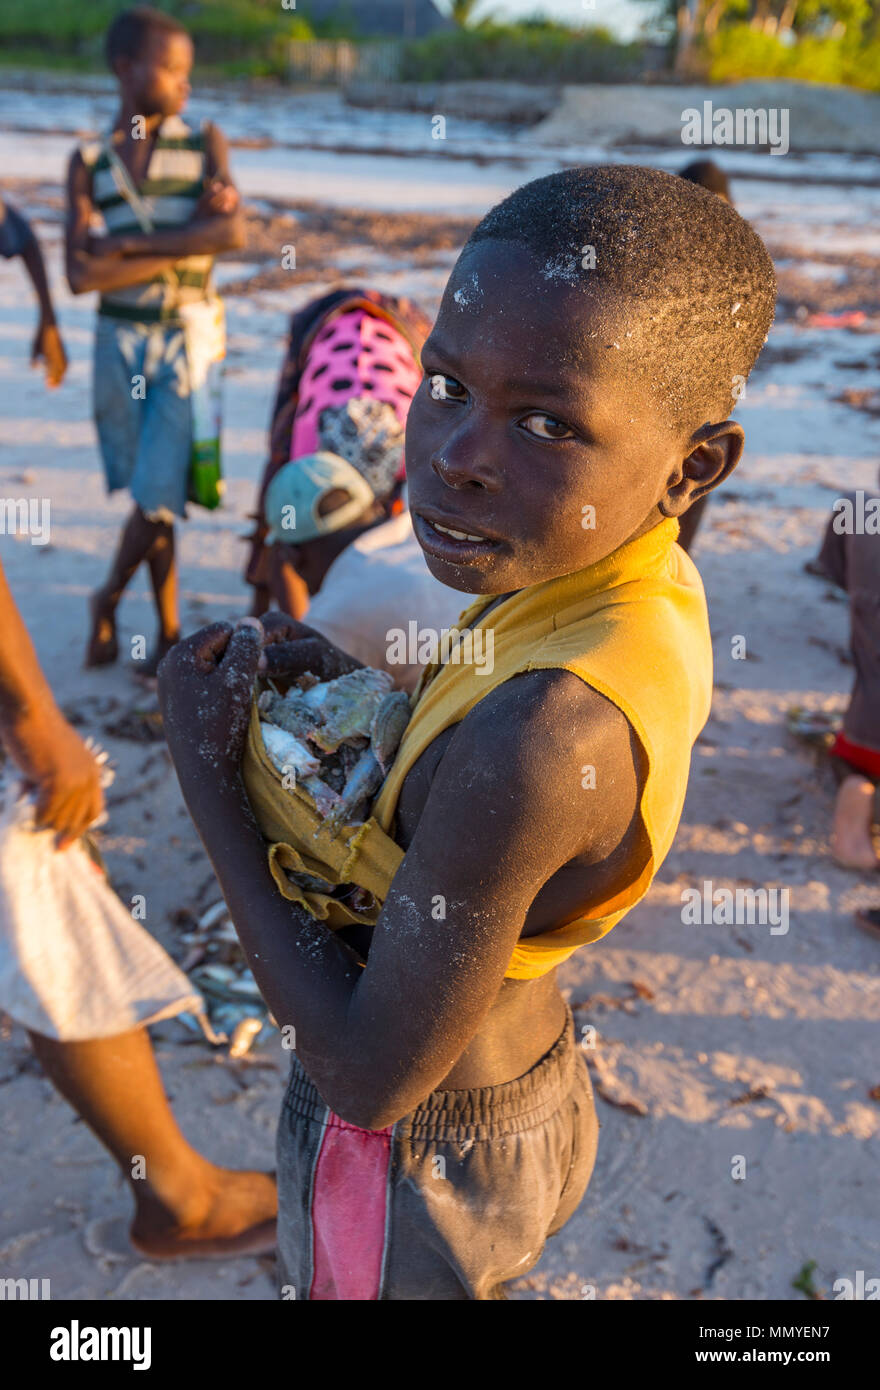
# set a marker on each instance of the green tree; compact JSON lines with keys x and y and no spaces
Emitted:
{"x":853,"y":15}
{"x":698,"y":20}
{"x":462,"y":11}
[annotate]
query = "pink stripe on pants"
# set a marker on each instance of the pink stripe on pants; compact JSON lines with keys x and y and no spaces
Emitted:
{"x":349,"y":1196}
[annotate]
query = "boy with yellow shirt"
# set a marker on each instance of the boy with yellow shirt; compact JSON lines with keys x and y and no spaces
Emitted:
{"x":439,"y":1122}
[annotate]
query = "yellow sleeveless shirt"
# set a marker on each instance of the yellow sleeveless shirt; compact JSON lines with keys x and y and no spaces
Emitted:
{"x":633,"y":626}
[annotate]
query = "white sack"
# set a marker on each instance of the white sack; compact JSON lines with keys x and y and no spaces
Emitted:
{"x":74,"y":964}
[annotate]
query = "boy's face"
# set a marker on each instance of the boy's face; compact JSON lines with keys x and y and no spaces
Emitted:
{"x":525,"y":419}
{"x":157,"y":82}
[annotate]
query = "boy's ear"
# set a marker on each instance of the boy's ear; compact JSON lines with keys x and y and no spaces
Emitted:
{"x":714,"y":452}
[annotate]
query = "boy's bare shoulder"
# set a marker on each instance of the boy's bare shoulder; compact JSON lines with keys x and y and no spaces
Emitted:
{"x":538,"y":748}
{"x":546,"y":713}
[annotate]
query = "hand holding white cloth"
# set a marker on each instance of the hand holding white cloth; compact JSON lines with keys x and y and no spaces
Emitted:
{"x":74,"y":964}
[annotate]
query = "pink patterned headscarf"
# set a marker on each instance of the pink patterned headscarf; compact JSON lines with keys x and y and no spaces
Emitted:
{"x":355,"y":356}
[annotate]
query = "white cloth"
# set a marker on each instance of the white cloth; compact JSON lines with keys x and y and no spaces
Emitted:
{"x":380,"y":583}
{"x":74,"y":964}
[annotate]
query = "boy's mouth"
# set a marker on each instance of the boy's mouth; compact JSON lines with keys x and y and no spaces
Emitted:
{"x":455,"y":543}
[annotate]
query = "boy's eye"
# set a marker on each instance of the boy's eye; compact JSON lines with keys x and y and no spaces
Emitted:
{"x":546,"y":426}
{"x":445,"y":388}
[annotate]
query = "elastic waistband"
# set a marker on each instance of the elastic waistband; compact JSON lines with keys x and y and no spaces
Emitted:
{"x":485,"y":1113}
{"x":139,"y":313}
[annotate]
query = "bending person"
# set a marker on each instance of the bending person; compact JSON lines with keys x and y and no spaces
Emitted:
{"x":349,"y":374}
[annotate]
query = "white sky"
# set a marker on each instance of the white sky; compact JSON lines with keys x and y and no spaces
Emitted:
{"x":623,"y":17}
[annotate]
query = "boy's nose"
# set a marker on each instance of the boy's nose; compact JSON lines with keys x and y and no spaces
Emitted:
{"x":464,"y":460}
{"x":461,"y":473}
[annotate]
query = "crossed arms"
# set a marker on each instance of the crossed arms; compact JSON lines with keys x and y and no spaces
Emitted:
{"x":114,"y":262}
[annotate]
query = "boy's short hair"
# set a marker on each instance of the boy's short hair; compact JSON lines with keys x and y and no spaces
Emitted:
{"x":707,"y":174}
{"x":132,"y":30}
{"x":700,"y":281}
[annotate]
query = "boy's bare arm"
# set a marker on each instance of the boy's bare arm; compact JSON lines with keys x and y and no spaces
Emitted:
{"x":32,"y":257}
{"x":210,"y":231}
{"x":85,"y":270}
{"x":47,"y":344}
{"x":506,"y":810}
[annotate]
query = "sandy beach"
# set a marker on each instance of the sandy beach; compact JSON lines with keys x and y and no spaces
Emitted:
{"x":736,"y":1067}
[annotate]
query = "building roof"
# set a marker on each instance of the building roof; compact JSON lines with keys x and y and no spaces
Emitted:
{"x":380,"y":18}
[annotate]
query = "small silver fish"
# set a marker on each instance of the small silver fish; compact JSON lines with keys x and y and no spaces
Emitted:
{"x":325,"y":798}
{"x":348,"y":706}
{"x":388,"y":727}
{"x":212,"y":915}
{"x":362,"y":784}
{"x":293,"y":715}
{"x":288,"y":753}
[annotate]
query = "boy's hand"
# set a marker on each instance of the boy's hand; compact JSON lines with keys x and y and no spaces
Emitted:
{"x":205,"y":690}
{"x":48,"y":348}
{"x":218,"y":199}
{"x":53,"y":759}
{"x":291,"y":648}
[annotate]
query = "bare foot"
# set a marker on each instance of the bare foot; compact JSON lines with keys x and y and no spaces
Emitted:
{"x":851,"y":842}
{"x":103,"y":648}
{"x":865,"y":862}
{"x":239,"y":1219}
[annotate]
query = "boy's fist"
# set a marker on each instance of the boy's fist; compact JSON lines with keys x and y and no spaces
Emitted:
{"x":291,"y":648}
{"x":218,"y":200}
{"x":205,"y":691}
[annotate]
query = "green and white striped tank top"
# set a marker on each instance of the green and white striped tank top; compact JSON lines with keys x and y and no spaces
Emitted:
{"x":170,"y":191}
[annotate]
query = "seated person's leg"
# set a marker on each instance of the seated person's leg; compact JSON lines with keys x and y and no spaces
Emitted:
{"x":851,"y":842}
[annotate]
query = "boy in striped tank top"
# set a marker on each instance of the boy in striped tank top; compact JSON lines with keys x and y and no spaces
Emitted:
{"x":152,"y":163}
